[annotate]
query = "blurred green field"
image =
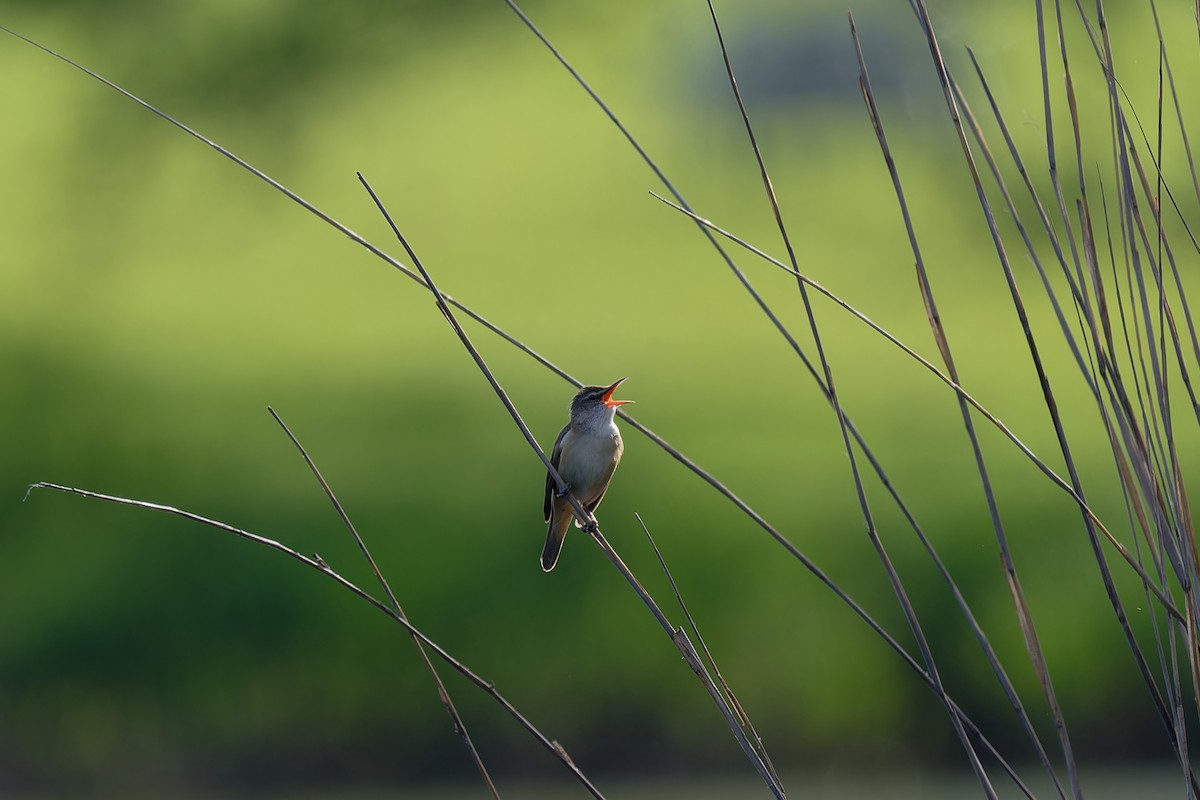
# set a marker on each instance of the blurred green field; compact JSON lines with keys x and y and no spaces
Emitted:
{"x":154,"y":299}
{"x":1148,"y":782}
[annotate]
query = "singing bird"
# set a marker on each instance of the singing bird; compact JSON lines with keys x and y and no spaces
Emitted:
{"x":586,"y":454}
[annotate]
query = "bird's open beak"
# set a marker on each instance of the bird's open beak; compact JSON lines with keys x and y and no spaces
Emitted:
{"x":608,"y":398}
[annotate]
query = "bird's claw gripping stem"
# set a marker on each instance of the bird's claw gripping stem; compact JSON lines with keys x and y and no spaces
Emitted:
{"x":566,"y":490}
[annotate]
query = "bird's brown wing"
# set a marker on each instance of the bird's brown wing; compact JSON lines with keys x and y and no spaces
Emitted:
{"x":551,"y":488}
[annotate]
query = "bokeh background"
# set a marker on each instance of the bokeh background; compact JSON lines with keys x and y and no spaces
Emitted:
{"x":154,"y":299}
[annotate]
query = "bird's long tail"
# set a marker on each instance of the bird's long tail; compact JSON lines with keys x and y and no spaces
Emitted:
{"x":556,"y":532}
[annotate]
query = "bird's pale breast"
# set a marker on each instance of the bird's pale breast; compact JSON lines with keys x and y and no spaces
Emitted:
{"x":588,"y":460}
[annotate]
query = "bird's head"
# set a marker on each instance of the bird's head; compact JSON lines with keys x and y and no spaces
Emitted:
{"x":596,"y":399}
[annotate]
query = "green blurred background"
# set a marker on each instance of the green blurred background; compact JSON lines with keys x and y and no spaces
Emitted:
{"x":154,"y":298}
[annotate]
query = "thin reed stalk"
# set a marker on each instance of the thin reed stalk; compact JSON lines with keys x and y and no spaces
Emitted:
{"x":317,"y":563}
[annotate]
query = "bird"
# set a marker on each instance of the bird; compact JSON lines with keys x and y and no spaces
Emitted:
{"x":585,"y":454}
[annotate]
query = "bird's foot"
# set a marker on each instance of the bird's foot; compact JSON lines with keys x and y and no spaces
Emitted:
{"x":566,"y":490}
{"x":590,"y":527}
